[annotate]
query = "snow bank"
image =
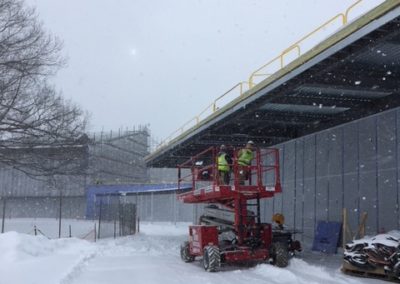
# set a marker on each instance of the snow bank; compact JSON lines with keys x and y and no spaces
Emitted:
{"x":29,"y":259}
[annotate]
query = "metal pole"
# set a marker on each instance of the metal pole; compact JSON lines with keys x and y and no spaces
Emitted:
{"x":95,"y":232}
{"x":4,"y":215}
{"x":115,"y":228}
{"x":101,"y":204}
{"x":121,"y":222}
{"x":134,"y":218}
{"x":175,"y":207}
{"x":152,"y":206}
{"x":119,"y":217}
{"x":59,"y":216}
{"x":70,"y":231}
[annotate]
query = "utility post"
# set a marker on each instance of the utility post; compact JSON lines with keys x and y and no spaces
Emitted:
{"x":60,"y":215}
{"x":4,"y":214}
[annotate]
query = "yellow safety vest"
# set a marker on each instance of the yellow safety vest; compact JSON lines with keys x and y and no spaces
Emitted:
{"x":245,"y":157}
{"x":223,"y":165}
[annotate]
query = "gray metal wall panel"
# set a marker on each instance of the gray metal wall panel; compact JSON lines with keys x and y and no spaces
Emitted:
{"x":198,"y":210}
{"x":335,"y":201}
{"x":146,"y":206}
{"x":299,"y":185}
{"x":74,"y":207}
{"x":45,"y":207}
{"x":277,"y":200}
{"x":267,"y":204}
{"x":335,"y":144}
{"x":386,"y":124}
{"x":387,"y":179}
{"x":335,"y":175}
{"x":368,"y":172}
{"x":351,"y":173}
{"x":39,"y":207}
{"x":163,"y":207}
{"x":354,"y":166}
{"x":263,"y":210}
{"x":397,"y":154}
{"x":322,"y":154}
{"x":288,"y":184}
{"x":185,"y":212}
{"x":387,"y":205}
{"x":309,"y":186}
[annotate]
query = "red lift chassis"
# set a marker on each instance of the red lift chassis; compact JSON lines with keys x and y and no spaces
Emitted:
{"x":230,"y":230}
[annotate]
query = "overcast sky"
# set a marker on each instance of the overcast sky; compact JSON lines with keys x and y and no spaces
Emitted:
{"x":161,"y":62}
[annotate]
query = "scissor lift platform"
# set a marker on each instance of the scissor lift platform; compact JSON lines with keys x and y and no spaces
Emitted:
{"x":263,"y":179}
{"x":253,"y":240}
{"x":218,"y":193}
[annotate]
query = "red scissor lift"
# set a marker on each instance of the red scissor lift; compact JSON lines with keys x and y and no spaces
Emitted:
{"x":231,"y":231}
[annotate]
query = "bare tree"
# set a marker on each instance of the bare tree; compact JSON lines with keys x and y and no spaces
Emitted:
{"x":38,"y":129}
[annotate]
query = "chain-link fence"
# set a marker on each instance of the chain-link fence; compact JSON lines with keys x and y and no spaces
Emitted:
{"x":116,"y":216}
{"x":51,"y":216}
{"x":64,"y":216}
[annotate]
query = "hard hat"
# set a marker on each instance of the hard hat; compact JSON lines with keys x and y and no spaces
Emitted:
{"x":250,"y":142}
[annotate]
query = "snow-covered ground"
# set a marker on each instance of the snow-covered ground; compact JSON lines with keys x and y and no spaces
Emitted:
{"x":149,"y":257}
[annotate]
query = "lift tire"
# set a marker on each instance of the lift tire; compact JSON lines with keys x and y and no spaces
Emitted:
{"x":211,"y":259}
{"x":185,"y":253}
{"x":280,"y":254}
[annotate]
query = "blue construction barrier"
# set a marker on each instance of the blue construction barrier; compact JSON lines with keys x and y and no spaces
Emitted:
{"x":327,"y":237}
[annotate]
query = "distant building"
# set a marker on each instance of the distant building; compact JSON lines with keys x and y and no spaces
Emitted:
{"x":103,"y":158}
{"x":118,"y":157}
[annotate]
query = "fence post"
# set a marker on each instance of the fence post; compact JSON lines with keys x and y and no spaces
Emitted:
{"x":121,"y":221}
{"x":35,"y":230}
{"x":59,"y":216}
{"x":138,"y":224}
{"x":120,"y":218}
{"x":134,"y":218}
{"x":152,"y":205}
{"x":70,"y":231}
{"x":137,"y":209}
{"x":100,"y":207}
{"x":4,"y":214}
{"x":115,"y":228}
{"x":175,"y":207}
{"x":95,"y":232}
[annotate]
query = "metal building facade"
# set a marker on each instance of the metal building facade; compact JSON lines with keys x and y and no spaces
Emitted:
{"x":353,"y":166}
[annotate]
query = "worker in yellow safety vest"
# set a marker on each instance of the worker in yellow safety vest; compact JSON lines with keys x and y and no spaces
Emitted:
{"x":245,"y":157}
{"x":224,"y":163}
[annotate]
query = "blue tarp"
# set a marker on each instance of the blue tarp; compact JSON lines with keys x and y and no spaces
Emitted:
{"x":327,"y":237}
{"x":124,"y":189}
